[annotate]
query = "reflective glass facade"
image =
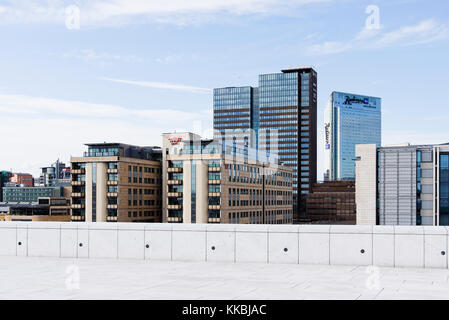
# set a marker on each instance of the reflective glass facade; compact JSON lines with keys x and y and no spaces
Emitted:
{"x":283,"y":115}
{"x":278,"y":90}
{"x":444,"y":189}
{"x":235,"y":113}
{"x":349,"y":120}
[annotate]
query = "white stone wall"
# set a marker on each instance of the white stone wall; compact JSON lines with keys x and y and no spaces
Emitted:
{"x":391,"y":246}
{"x":366,"y":183}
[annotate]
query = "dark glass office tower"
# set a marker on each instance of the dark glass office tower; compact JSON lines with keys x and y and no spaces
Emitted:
{"x":236,"y":112}
{"x":283,"y":113}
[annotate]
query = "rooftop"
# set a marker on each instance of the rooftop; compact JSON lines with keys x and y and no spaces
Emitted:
{"x":56,"y":278}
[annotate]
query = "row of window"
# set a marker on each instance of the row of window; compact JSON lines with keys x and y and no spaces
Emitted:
{"x":144,"y":214}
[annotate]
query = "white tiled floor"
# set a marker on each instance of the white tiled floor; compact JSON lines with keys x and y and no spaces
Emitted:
{"x":47,"y":278}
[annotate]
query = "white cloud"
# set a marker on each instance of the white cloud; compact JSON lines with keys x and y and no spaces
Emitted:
{"x":40,"y":130}
{"x":161,"y":85}
{"x":103,"y":58}
{"x":116,"y":12}
{"x":424,"y":32}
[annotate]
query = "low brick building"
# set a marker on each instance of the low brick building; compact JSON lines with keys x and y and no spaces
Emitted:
{"x":332,"y":202}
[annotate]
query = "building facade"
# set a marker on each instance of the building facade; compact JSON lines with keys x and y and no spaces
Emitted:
{"x":117,"y":183}
{"x":22,"y":179}
{"x":283,"y":118}
{"x":236,"y":115}
{"x":349,"y":119}
{"x":58,"y":174}
{"x":332,"y":202}
{"x":205,"y":181}
{"x":411,"y":188}
{"x":29,"y":194}
{"x":45,"y":209}
{"x":4,"y":178}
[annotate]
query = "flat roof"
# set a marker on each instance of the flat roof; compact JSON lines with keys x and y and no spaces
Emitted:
{"x":356,"y":94}
{"x":45,"y":278}
{"x":297,"y":69}
{"x":112,"y":144}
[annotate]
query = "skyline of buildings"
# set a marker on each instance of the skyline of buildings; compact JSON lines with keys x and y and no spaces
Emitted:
{"x":281,"y":116}
{"x":272,"y":124}
{"x":57,"y":174}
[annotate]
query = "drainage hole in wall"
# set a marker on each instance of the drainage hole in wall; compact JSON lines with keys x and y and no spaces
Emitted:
{"x":362,"y":251}
{"x":81,"y":244}
{"x":213,"y":247}
{"x":147,"y":246}
{"x":285,"y":249}
{"x":443,"y":253}
{"x":20,"y":243}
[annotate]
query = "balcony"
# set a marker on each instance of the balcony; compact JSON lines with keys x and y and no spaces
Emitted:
{"x":174,"y":206}
{"x":214,"y":194}
{"x":112,"y":182}
{"x":78,"y":218}
{"x":112,"y":170}
{"x":112,"y":194}
{"x":174,"y":181}
{"x":101,"y":154}
{"x":78,"y":171}
{"x":214,"y":169}
{"x":78,"y":194}
{"x":214,"y":181}
{"x":174,"y":194}
{"x":78,"y":206}
{"x":174,"y":219}
{"x":174,"y":169}
{"x":112,"y":206}
{"x":214,"y":207}
{"x":78,"y":183}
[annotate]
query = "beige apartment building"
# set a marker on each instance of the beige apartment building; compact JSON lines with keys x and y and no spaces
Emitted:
{"x":116,"y":182}
{"x":205,"y":181}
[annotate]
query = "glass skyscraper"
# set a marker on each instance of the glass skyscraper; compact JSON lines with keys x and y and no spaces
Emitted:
{"x":236,"y":112}
{"x":282,"y":117}
{"x":349,"y":119}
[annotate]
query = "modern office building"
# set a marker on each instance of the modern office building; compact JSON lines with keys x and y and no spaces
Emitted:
{"x":44,"y":209}
{"x":402,"y":185}
{"x":118,"y":183}
{"x":350,"y":119}
{"x":29,"y":194}
{"x":282,"y":114}
{"x":236,"y":115}
{"x":58,"y":174}
{"x":206,"y":181}
{"x":332,"y":202}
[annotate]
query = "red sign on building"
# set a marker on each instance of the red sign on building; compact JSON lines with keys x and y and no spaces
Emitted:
{"x":174,"y":141}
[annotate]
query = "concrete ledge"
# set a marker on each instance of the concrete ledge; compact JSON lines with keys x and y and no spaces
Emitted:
{"x":423,"y":247}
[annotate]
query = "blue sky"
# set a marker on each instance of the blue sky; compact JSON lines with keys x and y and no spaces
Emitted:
{"x":135,"y":68}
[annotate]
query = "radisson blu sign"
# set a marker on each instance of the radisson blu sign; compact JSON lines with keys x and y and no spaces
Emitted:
{"x":347,"y":99}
